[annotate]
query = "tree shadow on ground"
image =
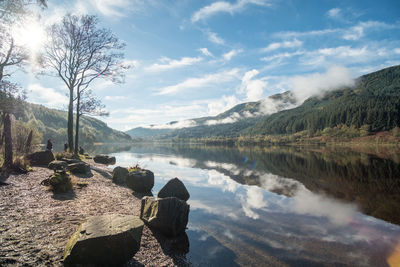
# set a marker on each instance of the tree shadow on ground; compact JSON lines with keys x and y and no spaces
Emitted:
{"x":83,"y":175}
{"x":133,"y":263}
{"x":3,"y":178}
{"x":176,"y":247}
{"x":103,"y":173}
{"x":69,"y":195}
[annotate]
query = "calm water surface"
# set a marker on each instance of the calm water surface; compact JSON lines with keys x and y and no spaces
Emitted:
{"x":281,"y":206}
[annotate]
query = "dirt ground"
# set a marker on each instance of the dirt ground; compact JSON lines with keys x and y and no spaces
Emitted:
{"x":35,"y":224}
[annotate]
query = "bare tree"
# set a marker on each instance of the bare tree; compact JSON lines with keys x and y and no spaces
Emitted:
{"x":78,"y":52}
{"x":89,"y":104}
{"x":11,"y":56}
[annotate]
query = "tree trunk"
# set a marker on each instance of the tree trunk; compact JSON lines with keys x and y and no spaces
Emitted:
{"x":8,"y":153}
{"x":70,"y":129}
{"x":28,"y":143}
{"x":78,"y":100}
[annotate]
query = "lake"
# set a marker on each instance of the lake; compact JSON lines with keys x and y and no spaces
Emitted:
{"x":282,"y":206}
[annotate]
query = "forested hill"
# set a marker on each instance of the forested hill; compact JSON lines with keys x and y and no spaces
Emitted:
{"x":52,"y":124}
{"x":374,"y":102}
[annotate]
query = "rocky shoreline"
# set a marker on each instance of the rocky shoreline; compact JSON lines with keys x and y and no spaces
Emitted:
{"x":36,"y":223}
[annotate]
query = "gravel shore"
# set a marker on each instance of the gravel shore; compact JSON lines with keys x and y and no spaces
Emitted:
{"x":35,"y":223}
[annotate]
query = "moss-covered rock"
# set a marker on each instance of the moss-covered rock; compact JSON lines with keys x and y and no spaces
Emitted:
{"x":58,"y":165}
{"x":40,"y":158}
{"x":104,"y":159}
{"x":119,"y":175}
{"x":108,"y":240}
{"x":140,"y":180}
{"x":79,"y":167}
{"x":60,"y":182}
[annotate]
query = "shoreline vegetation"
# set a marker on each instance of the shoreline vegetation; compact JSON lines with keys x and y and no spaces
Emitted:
{"x":343,"y":136}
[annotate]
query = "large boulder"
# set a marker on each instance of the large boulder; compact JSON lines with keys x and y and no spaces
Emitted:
{"x":109,"y":240}
{"x":119,"y":175}
{"x":174,"y":188}
{"x":79,"y":167}
{"x":104,"y":159}
{"x":40,"y":158}
{"x":140,"y":180}
{"x":58,"y":165}
{"x":168,"y":215}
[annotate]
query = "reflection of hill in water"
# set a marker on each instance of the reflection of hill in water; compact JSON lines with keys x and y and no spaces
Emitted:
{"x":371,"y":182}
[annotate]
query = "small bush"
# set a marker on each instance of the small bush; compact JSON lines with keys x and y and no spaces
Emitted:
{"x":134,"y":168}
{"x":60,"y":182}
{"x":21,"y":164}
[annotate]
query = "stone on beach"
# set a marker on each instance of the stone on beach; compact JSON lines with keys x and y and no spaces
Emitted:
{"x":140,"y":181}
{"x":58,"y":165}
{"x":119,"y":175}
{"x":110,"y":240}
{"x":174,"y":188}
{"x":168,"y":215}
{"x":40,"y":158}
{"x":79,"y":167}
{"x":104,"y":159}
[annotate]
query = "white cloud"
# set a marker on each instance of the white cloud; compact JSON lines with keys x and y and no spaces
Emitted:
{"x":222,"y":181}
{"x":225,"y":7}
{"x":112,"y":8}
{"x":115,"y":97}
{"x":293,"y":34}
{"x":334,"y":13}
{"x":254,"y":89}
{"x":231,"y":119}
{"x":358,"y":31}
{"x":46,"y":96}
{"x":209,"y":79}
{"x":254,"y":200}
{"x":206,"y":52}
{"x":306,"y":202}
{"x":229,"y":55}
{"x":316,"y":84}
{"x":214,"y":38}
{"x":285,"y":44}
{"x":131,"y":63}
{"x":167,"y":63}
{"x":157,"y":115}
{"x":218,"y":106}
{"x":270,"y":106}
{"x":281,"y":56}
{"x":351,"y":33}
{"x":341,"y":55}
{"x":176,"y":125}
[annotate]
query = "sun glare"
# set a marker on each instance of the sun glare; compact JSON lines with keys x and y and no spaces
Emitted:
{"x":30,"y":35}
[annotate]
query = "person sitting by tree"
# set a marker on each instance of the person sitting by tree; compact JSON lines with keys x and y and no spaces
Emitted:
{"x":81,"y":151}
{"x":49,"y":145}
{"x":65,"y":147}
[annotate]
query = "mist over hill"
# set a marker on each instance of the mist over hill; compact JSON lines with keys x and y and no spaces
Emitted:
{"x":372,"y":101}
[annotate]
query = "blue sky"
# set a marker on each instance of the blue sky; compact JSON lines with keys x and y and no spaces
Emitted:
{"x":198,"y":58}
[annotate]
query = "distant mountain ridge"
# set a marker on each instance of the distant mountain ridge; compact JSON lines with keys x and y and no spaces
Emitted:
{"x":374,"y":103}
{"x":227,"y":123}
